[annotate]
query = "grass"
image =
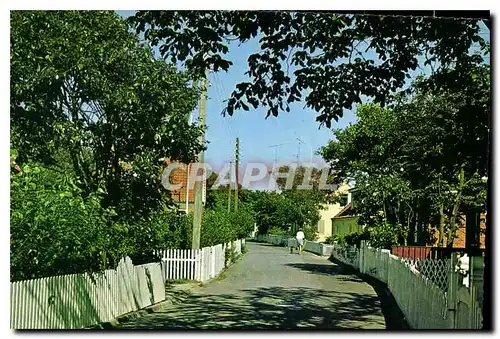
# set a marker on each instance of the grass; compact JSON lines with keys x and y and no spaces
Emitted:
{"x":179,"y":281}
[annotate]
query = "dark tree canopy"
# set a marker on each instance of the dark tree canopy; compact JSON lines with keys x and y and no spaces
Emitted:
{"x":327,"y":52}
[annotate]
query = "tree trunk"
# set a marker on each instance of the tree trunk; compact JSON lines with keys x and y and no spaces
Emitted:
{"x":419,"y":221}
{"x":411,"y":224}
{"x":441,"y":225}
{"x":472,"y":229}
{"x":383,"y":206}
{"x":453,"y":219}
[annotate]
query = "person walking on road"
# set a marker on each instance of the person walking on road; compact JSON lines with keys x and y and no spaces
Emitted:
{"x":300,"y":240}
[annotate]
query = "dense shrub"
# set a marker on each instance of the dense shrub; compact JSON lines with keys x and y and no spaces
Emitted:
{"x":160,"y":231}
{"x":220,"y":226}
{"x":383,"y":235}
{"x":278,"y":231}
{"x":54,"y":230}
{"x":380,"y":236}
{"x":386,"y":235}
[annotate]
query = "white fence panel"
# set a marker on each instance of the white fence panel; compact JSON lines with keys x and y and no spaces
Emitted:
{"x":313,"y":247}
{"x":180,"y":264}
{"x":424,"y":304}
{"x":238,"y":246}
{"x":82,"y":300}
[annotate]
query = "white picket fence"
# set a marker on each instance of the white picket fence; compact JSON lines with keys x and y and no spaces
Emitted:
{"x":83,"y":300}
{"x":201,"y":265}
{"x":424,"y":304}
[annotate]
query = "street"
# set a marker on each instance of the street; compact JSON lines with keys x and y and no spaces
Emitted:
{"x":271,"y":288}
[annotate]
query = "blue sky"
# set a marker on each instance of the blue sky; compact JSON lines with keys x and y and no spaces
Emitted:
{"x":256,"y":133}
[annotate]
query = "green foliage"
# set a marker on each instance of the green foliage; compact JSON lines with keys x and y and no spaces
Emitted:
{"x":352,"y":239}
{"x":163,"y":230}
{"x":313,"y":52}
{"x":386,"y":235}
{"x":54,"y":230}
{"x":278,"y":231}
{"x":286,"y":212}
{"x":220,"y":226}
{"x":81,"y":83}
{"x":92,"y":113}
{"x":418,"y":159}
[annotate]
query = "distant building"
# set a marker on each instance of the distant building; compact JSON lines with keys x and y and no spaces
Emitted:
{"x":183,"y":196}
{"x":330,"y":211}
{"x":459,"y":241}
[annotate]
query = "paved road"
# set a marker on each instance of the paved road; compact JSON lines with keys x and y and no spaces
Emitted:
{"x":271,"y":288}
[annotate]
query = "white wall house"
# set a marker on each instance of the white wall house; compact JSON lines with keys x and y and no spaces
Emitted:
{"x":331,"y":210}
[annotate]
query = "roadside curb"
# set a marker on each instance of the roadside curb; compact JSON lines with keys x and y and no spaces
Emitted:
{"x":177,"y":294}
{"x":173,"y":296}
{"x":394,"y":317}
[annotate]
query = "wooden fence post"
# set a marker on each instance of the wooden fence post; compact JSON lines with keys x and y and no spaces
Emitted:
{"x":451,"y":295}
{"x":362,"y":257}
{"x":476,"y":269}
{"x":212,"y":257}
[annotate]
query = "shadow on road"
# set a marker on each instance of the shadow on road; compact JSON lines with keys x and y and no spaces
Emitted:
{"x":273,"y":307}
{"x":393,"y":316}
{"x":343,"y":273}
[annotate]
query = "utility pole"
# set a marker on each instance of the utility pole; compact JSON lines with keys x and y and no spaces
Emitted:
{"x":187,"y":170}
{"x":276,"y":160}
{"x":229,"y":186}
{"x":198,"y":186}
{"x":276,"y":151}
{"x":237,"y":158}
{"x":187,"y":189}
{"x":298,"y":154}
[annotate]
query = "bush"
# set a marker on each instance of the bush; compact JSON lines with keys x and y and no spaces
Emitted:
{"x":386,"y":235}
{"x":383,"y":235}
{"x":243,"y":221}
{"x":277,"y":231}
{"x":220,"y":226}
{"x":54,"y":230}
{"x":162,"y":230}
{"x":330,"y":240}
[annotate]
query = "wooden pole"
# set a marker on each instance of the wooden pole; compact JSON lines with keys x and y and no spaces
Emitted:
{"x":237,"y":158}
{"x":229,"y":191}
{"x":198,"y":186}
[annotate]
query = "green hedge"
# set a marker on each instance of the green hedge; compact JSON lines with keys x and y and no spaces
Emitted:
{"x":55,"y":230}
{"x":220,"y":226}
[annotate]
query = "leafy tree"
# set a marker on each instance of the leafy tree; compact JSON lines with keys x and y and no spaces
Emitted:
{"x":307,"y":52}
{"x":293,"y":208}
{"x":413,"y":163}
{"x":82,"y":83}
{"x":54,"y":230}
{"x":92,"y":112}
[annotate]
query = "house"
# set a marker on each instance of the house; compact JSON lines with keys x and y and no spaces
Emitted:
{"x":331,"y":210}
{"x":345,"y":222}
{"x":459,"y":241}
{"x":183,"y":196}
